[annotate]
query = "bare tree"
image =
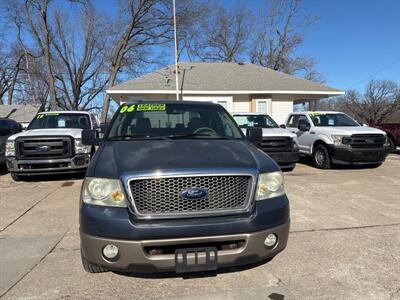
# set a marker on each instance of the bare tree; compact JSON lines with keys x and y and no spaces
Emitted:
{"x":36,"y":18}
{"x":141,"y":23}
{"x":81,"y":63}
{"x":220,"y":36}
{"x":379,"y":103}
{"x":278,"y":38}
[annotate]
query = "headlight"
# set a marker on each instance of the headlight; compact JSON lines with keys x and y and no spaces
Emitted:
{"x":270,"y":185}
{"x":103,"y":191}
{"x":10,"y":148}
{"x":338,"y":140}
{"x":79,"y":147}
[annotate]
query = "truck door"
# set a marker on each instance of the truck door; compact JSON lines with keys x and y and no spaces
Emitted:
{"x":305,"y":137}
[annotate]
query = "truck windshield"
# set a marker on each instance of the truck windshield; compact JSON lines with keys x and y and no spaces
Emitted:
{"x":60,"y":120}
{"x":170,"y":120}
{"x":250,"y":121}
{"x":332,"y":120}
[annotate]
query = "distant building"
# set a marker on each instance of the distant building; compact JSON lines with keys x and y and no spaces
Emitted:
{"x":236,"y":86}
{"x":22,"y":113}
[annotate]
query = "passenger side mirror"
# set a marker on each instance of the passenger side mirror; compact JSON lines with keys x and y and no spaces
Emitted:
{"x":254,"y":135}
{"x":282,"y":126}
{"x":90,"y":137}
{"x":303,"y":125}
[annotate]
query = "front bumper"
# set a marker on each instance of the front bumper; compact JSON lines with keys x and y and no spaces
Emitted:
{"x":78,"y":163}
{"x":100,"y":226}
{"x":358,"y":156}
{"x":285,"y":159}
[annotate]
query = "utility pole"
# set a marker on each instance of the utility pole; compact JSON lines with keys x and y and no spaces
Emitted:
{"x":176,"y":54}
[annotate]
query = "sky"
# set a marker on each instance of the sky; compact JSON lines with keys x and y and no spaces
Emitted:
{"x":353,"y":41}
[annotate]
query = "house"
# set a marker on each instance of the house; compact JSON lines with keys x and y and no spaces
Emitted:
{"x":22,"y":113}
{"x":238,"y":87}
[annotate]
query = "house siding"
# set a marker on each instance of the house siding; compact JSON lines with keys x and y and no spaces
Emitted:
{"x":282,"y":105}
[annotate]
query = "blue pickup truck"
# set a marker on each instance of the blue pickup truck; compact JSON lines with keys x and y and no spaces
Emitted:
{"x":176,"y":186}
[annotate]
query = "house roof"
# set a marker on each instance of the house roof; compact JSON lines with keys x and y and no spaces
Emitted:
{"x":24,"y":113}
{"x":219,"y":78}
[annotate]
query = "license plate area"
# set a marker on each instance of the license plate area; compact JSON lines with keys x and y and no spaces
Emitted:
{"x":196,"y":259}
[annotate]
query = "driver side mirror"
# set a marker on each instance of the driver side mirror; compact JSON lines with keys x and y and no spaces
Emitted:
{"x":303,"y":125}
{"x":103,"y":127}
{"x":90,"y":137}
{"x":282,"y":126}
{"x":254,"y":135}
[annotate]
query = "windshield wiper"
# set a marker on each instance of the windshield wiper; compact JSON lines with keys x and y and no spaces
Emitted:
{"x":137,"y":137}
{"x":184,"y":136}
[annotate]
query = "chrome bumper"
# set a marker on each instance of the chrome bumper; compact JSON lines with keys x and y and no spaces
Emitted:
{"x":133,"y":256}
{"x":76,"y":163}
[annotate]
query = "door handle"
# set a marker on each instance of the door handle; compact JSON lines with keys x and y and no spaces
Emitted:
{"x":312,"y":132}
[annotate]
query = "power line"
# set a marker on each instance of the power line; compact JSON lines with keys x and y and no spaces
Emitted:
{"x":373,"y":74}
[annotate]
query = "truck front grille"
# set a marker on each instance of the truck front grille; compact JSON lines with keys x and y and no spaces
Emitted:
{"x":44,"y":147}
{"x":162,"y":197}
{"x":367,"y":141}
{"x":276,"y":144}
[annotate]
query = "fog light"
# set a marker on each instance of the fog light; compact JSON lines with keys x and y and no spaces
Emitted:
{"x":271,"y":240}
{"x":110,"y":251}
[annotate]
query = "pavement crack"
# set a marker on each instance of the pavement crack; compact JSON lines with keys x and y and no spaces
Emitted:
{"x":38,"y":263}
{"x":345,"y":228}
{"x":28,"y":210}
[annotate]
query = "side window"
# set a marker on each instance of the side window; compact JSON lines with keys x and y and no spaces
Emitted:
{"x":293,"y":121}
{"x":303,"y":118}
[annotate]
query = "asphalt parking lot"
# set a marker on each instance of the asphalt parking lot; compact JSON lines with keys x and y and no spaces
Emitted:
{"x":344,"y":244}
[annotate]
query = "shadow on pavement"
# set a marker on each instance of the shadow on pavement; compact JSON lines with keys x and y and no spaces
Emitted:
{"x":305,"y":160}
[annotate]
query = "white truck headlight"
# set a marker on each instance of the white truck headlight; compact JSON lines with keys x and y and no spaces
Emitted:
{"x":10,"y":148}
{"x":104,"y":192}
{"x":338,"y":140}
{"x":80,"y":148}
{"x":270,"y":185}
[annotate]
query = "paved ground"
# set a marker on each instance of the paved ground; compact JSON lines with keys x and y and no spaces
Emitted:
{"x":344,"y":244}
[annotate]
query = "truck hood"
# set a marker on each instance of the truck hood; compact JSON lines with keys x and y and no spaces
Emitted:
{"x":116,"y":159}
{"x":349,"y":130}
{"x":74,"y":132}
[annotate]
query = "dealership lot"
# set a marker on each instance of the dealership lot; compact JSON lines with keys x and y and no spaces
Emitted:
{"x":344,"y":243}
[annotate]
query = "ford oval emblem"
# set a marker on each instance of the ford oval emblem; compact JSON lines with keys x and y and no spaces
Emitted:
{"x":194,"y":193}
{"x":43,"y":148}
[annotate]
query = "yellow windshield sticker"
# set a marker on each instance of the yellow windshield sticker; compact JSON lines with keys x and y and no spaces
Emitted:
{"x":40,"y":116}
{"x":315,"y":114}
{"x":151,"y":106}
{"x":127,"y":108}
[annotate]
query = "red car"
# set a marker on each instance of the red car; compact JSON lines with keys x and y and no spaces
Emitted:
{"x":393,"y":133}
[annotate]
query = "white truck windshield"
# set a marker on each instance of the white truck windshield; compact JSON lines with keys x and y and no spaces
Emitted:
{"x":332,"y":120}
{"x":250,"y":121}
{"x":60,"y":120}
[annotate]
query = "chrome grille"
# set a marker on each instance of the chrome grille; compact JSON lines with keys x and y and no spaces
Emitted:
{"x":276,"y":144}
{"x":57,"y":147}
{"x":162,"y":196}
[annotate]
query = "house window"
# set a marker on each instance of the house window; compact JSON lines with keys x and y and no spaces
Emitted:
{"x":261,"y":106}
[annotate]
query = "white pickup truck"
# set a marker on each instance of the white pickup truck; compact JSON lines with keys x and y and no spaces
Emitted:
{"x":335,"y":138}
{"x":51,"y":144}
{"x":280,"y":144}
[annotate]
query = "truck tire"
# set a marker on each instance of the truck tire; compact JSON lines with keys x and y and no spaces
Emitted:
{"x":15,"y":176}
{"x":91,"y":268}
{"x":392,"y":146}
{"x":321,"y":157}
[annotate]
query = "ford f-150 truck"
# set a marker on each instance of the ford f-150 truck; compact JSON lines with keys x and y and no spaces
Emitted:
{"x":51,"y":144}
{"x":335,"y":138}
{"x":393,"y":134}
{"x":176,"y":186}
{"x":279,"y":143}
